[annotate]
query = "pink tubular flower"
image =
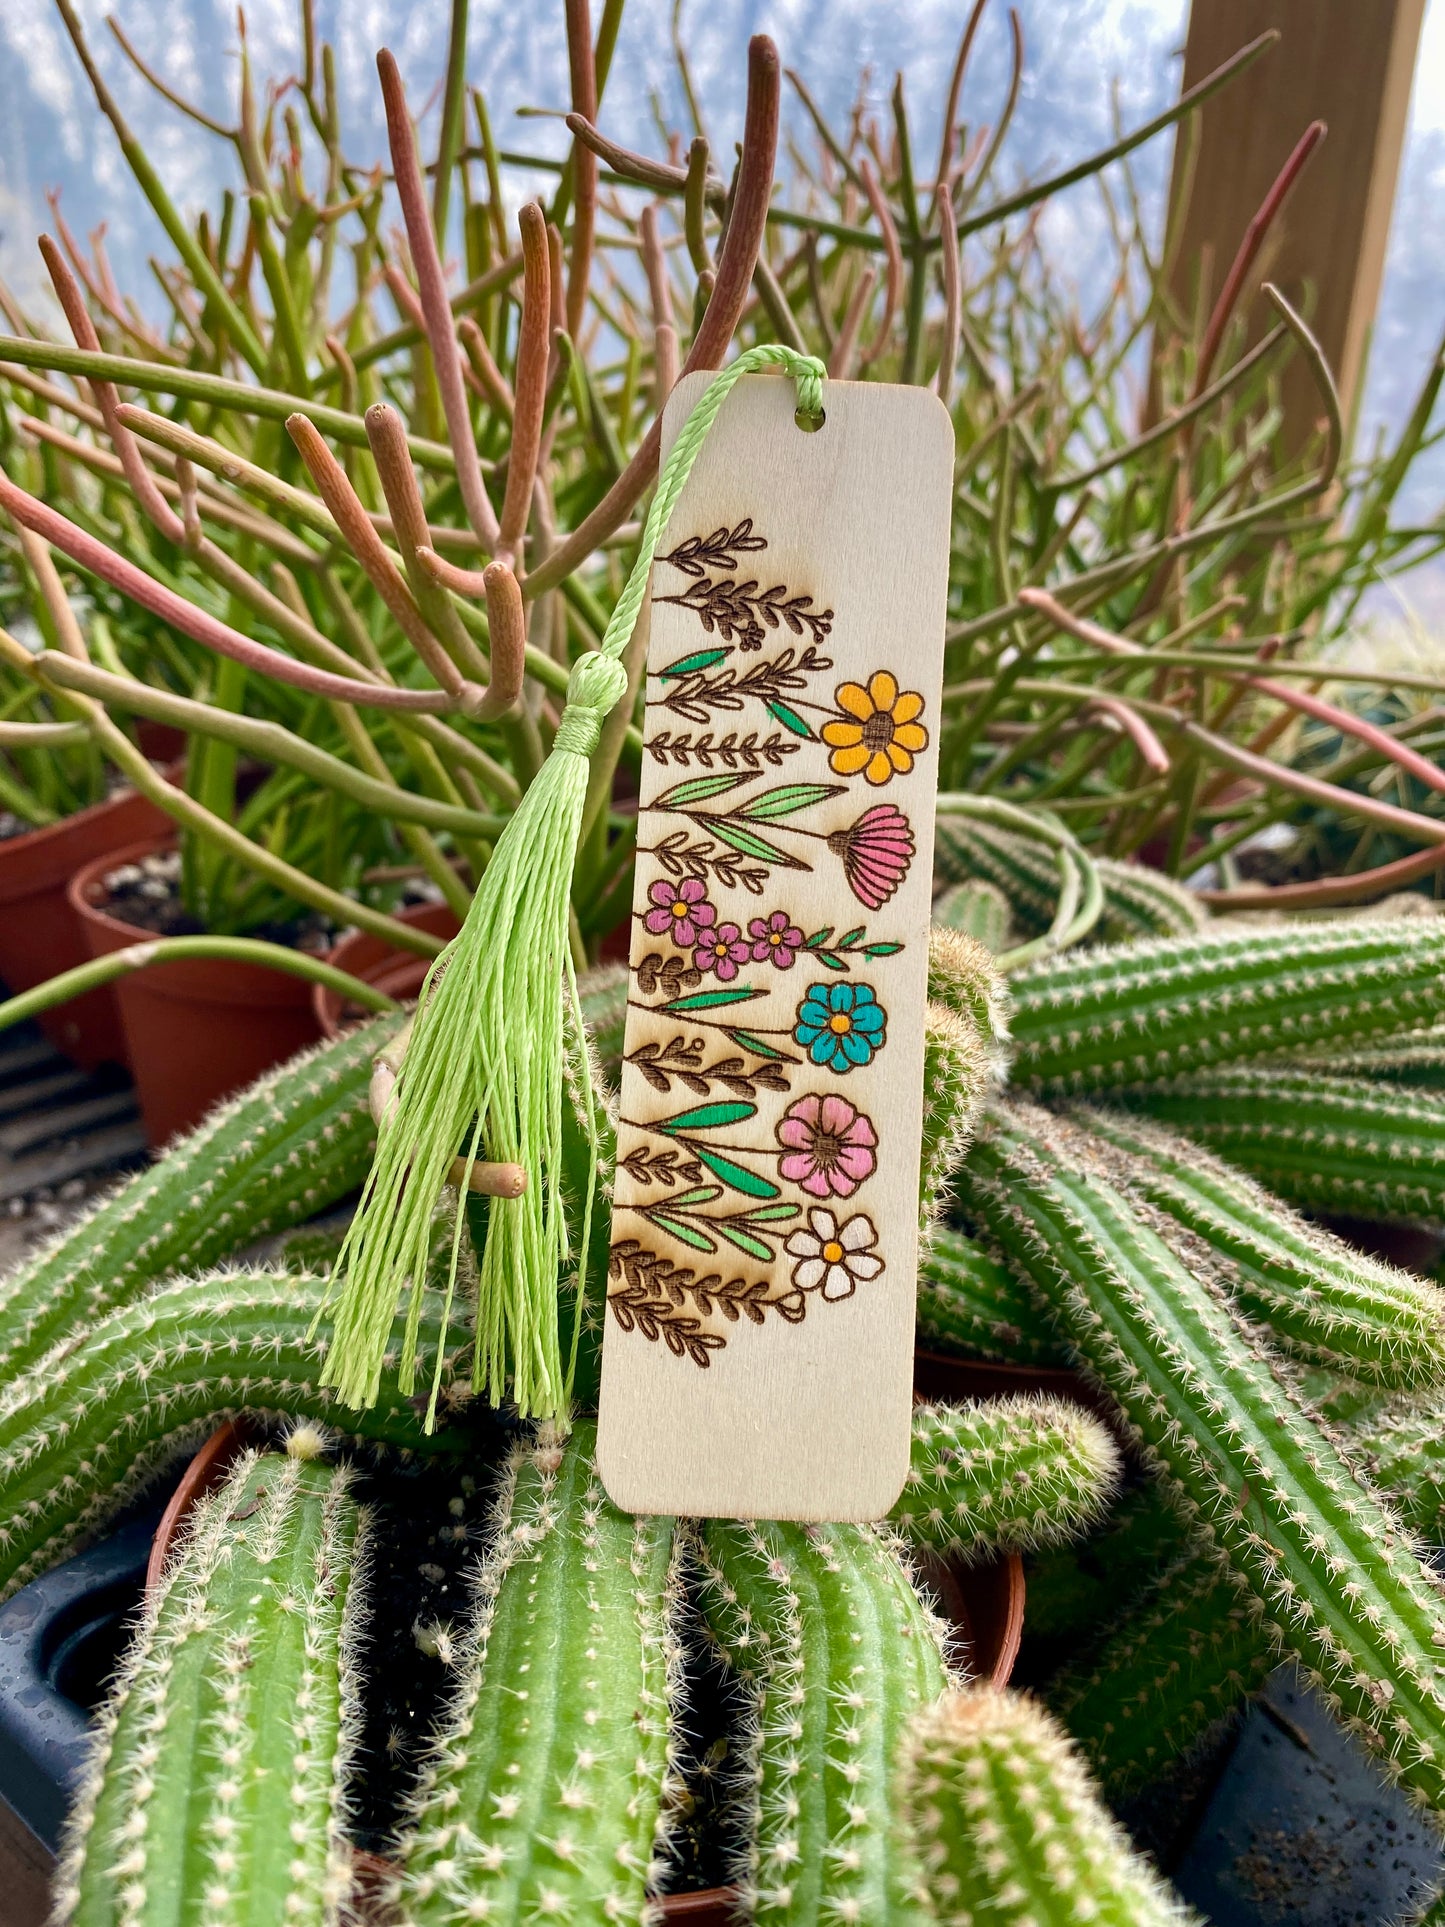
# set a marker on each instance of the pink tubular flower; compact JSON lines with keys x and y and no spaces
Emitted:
{"x":679,"y":911}
{"x":721,"y":951}
{"x":775,"y":940}
{"x":876,"y":853}
{"x":828,"y":1145}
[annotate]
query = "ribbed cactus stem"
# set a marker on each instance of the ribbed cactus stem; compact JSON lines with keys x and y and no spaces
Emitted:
{"x":1368,"y":1150}
{"x":1405,"y":1453}
{"x":1097,"y":1020}
{"x":1008,"y":1474}
{"x":544,"y":1795}
{"x":1008,"y":1828}
{"x":977,"y":908}
{"x":89,"y":1427}
{"x":1322,"y":1302}
{"x":1174,"y":1665}
{"x":217,"y":1783}
{"x":835,"y":1651}
{"x":969,"y":1302}
{"x":1138,"y":902}
{"x":963,"y":978}
{"x":957,"y":1080}
{"x":291,"y":1144}
{"x":1317,"y":1549}
{"x":1074,"y":1590}
{"x":1415,"y":1059}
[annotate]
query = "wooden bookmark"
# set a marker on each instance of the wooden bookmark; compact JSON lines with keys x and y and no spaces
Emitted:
{"x":757,"y":1359}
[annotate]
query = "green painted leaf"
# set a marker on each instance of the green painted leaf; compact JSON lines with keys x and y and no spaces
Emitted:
{"x":739,"y":837}
{"x":693,"y":665}
{"x":789,"y":718}
{"x":850,"y":937}
{"x":830,"y":962}
{"x":819,"y":937}
{"x":707,"y":1117}
{"x":700,"y":789}
{"x":699,"y":1194}
{"x":787,"y":801}
{"x":881,"y":949}
{"x":773,"y":1213}
{"x":755,"y":1044}
{"x":684,"y":1233}
{"x":736,"y":1176}
{"x":709,"y":1000}
{"x":744,"y":1240}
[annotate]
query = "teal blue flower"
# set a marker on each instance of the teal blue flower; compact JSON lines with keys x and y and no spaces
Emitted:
{"x":841,"y":1025}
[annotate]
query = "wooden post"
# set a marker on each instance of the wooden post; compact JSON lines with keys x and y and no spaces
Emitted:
{"x":1350,"y":64}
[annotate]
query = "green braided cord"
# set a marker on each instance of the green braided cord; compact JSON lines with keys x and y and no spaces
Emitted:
{"x":498,"y":1025}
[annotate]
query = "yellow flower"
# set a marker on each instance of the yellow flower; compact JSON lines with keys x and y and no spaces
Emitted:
{"x":878,"y":732}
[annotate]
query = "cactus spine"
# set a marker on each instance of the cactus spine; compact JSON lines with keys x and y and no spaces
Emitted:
{"x":835,"y":1650}
{"x":1099,"y":1020}
{"x":1405,"y":1453}
{"x":1008,"y":1829}
{"x":1337,"y":1143}
{"x":1317,"y":1549}
{"x":543,"y":1795}
{"x":92,"y":1424}
{"x":1322,"y":1302}
{"x":1177,"y":1663}
{"x":216,"y":1786}
{"x":283,"y":1150}
{"x":968,"y":1302}
{"x":1009,"y":1474}
{"x":977,"y":908}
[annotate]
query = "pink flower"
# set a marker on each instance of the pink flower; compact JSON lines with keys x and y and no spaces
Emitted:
{"x":777,"y":940}
{"x":680,"y":911}
{"x":828,"y":1146}
{"x":721,"y":951}
{"x":876,"y":853}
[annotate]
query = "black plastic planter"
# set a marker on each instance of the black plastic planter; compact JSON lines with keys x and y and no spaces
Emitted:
{"x":59,"y":1640}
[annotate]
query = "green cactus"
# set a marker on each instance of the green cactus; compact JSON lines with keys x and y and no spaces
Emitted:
{"x":977,"y":908}
{"x":90,"y":1426}
{"x":1405,"y":1453}
{"x":293,"y":1143}
{"x":1316,"y":1547}
{"x":1414,"y":1059}
{"x":602,"y":994}
{"x":834,"y":1650}
{"x":1005,"y":1475}
{"x":963,"y":978}
{"x":1073,"y":1590}
{"x":1171,"y":1668}
{"x":215,"y":1790}
{"x":1323,"y":1302}
{"x":1138,"y":902}
{"x":1333,"y":1143}
{"x":970,"y":1303}
{"x":545,"y":1792}
{"x":1141,"y":1013}
{"x":957,"y":1078}
{"x":1008,"y":1829}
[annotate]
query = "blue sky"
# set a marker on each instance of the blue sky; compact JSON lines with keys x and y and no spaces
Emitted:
{"x":1076,"y":49}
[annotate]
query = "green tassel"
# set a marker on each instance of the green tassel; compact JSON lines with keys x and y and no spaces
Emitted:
{"x":497,"y":1035}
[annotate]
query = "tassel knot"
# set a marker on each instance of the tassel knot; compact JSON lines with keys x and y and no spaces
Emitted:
{"x":595,"y":687}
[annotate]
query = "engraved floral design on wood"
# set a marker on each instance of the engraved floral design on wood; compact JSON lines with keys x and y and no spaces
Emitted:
{"x":745,"y":1141}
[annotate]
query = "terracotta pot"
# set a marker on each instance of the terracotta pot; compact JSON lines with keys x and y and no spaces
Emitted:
{"x":204,"y":1473}
{"x":196,"y":1031}
{"x":40,"y":934}
{"x":398,"y":972}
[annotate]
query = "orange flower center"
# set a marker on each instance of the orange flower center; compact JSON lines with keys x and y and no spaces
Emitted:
{"x":840,"y":1023}
{"x":832,"y":1251}
{"x":878,"y":730}
{"x":775,"y":937}
{"x":679,"y":909}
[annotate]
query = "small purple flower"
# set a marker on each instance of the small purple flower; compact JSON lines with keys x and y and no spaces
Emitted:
{"x":681,"y":912}
{"x":776,"y":940}
{"x":721,"y":951}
